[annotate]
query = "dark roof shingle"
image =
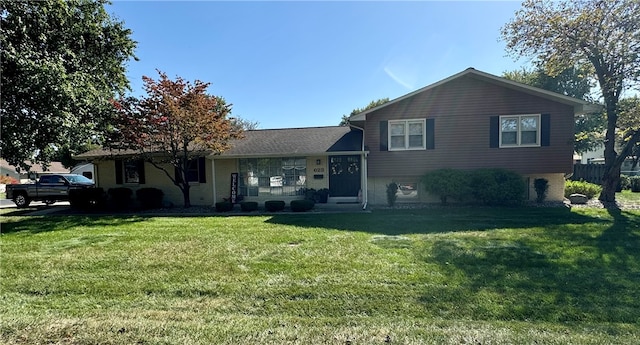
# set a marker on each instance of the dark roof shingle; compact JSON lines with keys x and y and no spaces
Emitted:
{"x":276,"y":142}
{"x":296,"y":141}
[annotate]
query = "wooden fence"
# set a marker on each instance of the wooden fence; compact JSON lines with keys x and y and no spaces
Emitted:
{"x":588,"y":172}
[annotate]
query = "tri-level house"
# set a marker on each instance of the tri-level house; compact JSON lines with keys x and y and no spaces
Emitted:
{"x":467,"y":121}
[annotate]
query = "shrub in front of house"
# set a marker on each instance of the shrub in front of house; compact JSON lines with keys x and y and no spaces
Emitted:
{"x":274,"y":205}
{"x":120,"y":197}
{"x":541,"y":185}
{"x":590,"y":190}
{"x":87,"y":199}
{"x":392,"y":190}
{"x":497,"y":187}
{"x":302,"y":205}
{"x":150,"y":198}
{"x":224,"y":206}
{"x":248,"y":206}
{"x":446,"y":183}
{"x":634,"y":182}
{"x":625,"y":183}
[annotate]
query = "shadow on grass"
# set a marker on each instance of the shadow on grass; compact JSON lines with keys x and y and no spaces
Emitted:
{"x":39,"y":224}
{"x":436,"y":220}
{"x":566,"y":274}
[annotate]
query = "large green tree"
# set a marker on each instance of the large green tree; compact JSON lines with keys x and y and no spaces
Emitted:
{"x":601,"y":34}
{"x":62,"y":63}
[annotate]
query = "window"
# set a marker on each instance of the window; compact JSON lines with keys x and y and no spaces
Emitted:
{"x":519,"y":130}
{"x":273,"y":176}
{"x":129,"y":171}
{"x":407,"y":135}
{"x":52,"y":179}
{"x":196,"y":171}
{"x":407,"y":191}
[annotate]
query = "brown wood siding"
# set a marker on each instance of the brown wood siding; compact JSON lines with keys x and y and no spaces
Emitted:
{"x":462,"y":109}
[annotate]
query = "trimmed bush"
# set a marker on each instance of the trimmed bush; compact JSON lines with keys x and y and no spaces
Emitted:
{"x":274,"y":205}
{"x":87,"y":198}
{"x":149,"y":198}
{"x":248,"y":206}
{"x":634,"y":182}
{"x":541,"y":185}
{"x":497,"y":187}
{"x":302,"y":205}
{"x":392,"y":189}
{"x":625,"y":182}
{"x":590,"y":190}
{"x":120,"y":197}
{"x":224,"y":206}
{"x":447,"y":183}
{"x":322,"y":195}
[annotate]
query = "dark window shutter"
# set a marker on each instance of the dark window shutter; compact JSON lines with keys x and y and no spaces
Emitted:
{"x":545,"y":130}
{"x":177,"y":175}
{"x":430,"y":132}
{"x":141,"y":177}
{"x":118,"y":171}
{"x":384,"y":136}
{"x":494,"y":131}
{"x":202,"y":171}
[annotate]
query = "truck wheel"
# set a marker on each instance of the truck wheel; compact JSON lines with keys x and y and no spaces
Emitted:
{"x":21,"y":200}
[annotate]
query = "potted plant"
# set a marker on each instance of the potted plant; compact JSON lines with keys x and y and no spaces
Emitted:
{"x":323,"y":195}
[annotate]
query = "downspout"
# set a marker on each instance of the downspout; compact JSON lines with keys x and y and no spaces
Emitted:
{"x":213,"y":180}
{"x":365,"y":184}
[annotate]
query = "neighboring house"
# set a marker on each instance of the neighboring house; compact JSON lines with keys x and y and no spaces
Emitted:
{"x":467,"y":121}
{"x":34,"y":172}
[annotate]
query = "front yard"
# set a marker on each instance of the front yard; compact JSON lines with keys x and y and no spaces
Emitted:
{"x":434,"y":276}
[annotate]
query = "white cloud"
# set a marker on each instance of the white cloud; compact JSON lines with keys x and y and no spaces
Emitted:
{"x":397,"y":79}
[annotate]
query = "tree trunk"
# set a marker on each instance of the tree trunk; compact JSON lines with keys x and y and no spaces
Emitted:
{"x":611,"y":175}
{"x":186,"y":194}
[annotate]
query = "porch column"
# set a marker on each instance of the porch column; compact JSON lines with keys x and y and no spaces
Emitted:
{"x":213,"y":181}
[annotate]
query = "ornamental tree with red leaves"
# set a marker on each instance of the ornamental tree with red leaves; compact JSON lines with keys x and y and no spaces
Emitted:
{"x":175,"y":123}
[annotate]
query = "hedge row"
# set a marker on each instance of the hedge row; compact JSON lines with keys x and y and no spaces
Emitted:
{"x":590,"y":190}
{"x":486,"y":186}
{"x":116,"y":198}
{"x":630,"y":182}
{"x":270,"y":206}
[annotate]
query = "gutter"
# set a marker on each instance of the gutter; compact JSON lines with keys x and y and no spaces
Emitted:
{"x":365,"y":184}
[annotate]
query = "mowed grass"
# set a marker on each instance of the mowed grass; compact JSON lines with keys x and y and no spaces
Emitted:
{"x":429,"y":276}
{"x":628,"y":196}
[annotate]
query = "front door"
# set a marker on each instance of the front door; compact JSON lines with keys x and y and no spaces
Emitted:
{"x":344,"y":176}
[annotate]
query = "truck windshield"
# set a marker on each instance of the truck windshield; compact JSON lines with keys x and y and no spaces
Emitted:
{"x":78,"y":179}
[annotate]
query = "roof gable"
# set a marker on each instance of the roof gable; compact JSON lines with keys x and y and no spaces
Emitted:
{"x":579,"y":106}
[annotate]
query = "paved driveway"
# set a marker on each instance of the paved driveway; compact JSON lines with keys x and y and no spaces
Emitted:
{"x":5,"y":203}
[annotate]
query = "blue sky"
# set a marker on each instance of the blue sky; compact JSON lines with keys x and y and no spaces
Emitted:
{"x":303,"y":64}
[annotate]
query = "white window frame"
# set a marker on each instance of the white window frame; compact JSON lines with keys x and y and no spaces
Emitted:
{"x":519,"y":130}
{"x":406,"y":124}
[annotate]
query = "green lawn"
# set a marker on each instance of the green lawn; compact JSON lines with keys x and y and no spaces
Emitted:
{"x":433,"y":276}
{"x":628,"y":196}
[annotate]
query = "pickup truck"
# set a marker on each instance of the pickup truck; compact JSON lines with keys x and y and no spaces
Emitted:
{"x":49,"y":189}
